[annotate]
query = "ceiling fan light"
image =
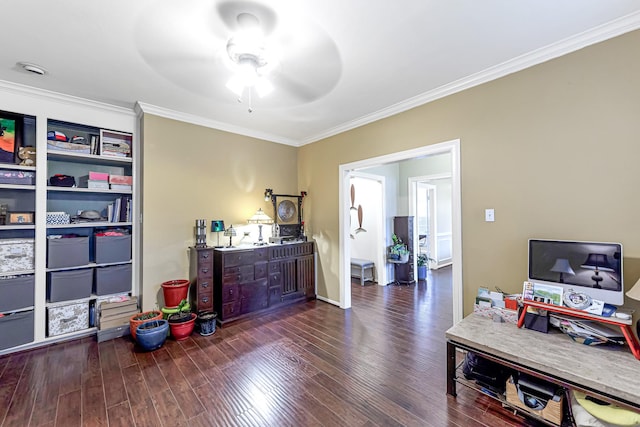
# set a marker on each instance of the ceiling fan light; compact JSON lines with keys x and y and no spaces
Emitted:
{"x":263,"y":87}
{"x":236,"y":85}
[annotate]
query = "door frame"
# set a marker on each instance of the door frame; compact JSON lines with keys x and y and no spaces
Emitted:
{"x":380,"y":260}
{"x":452,"y":147}
{"x":413,"y":183}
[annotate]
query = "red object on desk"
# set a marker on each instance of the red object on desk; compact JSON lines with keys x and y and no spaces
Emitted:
{"x":624,"y":325}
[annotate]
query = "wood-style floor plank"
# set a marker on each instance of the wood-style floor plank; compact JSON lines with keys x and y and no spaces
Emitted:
{"x":380,"y":363}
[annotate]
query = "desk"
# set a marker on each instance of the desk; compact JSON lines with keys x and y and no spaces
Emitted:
{"x":610,"y":374}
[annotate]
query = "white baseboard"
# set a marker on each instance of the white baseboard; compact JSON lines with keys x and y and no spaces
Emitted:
{"x":324,"y":299}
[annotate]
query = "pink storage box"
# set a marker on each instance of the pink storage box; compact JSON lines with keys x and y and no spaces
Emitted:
{"x":120,"y":179}
{"x":98,"y":176}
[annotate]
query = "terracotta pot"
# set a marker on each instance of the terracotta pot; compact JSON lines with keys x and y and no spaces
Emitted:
{"x":134,"y":323}
{"x":181,"y":331}
{"x":175,"y":291}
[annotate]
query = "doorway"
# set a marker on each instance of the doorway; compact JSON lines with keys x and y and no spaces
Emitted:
{"x":345,"y":172}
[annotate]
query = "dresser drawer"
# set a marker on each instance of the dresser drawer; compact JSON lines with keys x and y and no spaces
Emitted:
{"x":261,"y":254}
{"x":229,"y":293}
{"x":275,"y":279}
{"x":234,"y":258}
{"x":204,"y":270}
{"x":205,"y":303}
{"x":230,"y":309}
{"x":238,"y":274}
{"x":260,"y":270}
{"x":274,"y":267}
{"x":205,"y":257}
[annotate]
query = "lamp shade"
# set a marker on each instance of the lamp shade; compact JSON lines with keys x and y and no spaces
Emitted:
{"x":260,"y":218}
{"x":217,"y":225}
{"x":562,"y":266}
{"x":634,"y":293}
{"x":597,"y":262}
{"x":230,"y":231}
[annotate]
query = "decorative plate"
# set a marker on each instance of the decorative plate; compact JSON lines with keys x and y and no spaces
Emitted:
{"x":286,"y":210}
{"x":576,"y":300}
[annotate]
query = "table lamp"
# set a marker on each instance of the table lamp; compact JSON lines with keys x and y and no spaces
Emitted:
{"x":634,"y":293}
{"x":230,"y":232}
{"x":260,"y":218}
{"x":597,"y":262}
{"x":563,"y":267}
{"x":217,"y":225}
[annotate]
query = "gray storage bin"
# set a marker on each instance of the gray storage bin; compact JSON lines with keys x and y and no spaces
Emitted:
{"x":112,"y":249}
{"x":70,"y":284}
{"x":16,"y":293}
{"x":113,"y":279}
{"x":67,"y":252}
{"x":16,"y":329}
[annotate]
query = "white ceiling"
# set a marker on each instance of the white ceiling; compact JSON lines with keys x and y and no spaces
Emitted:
{"x":344,"y":62}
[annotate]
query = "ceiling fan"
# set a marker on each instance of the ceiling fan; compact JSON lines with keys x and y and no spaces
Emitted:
{"x":205,"y":47}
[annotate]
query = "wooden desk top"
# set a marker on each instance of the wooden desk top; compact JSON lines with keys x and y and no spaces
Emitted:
{"x":609,"y":370}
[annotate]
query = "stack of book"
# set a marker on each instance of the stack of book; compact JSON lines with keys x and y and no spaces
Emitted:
{"x":120,"y":210}
{"x":95,"y":181}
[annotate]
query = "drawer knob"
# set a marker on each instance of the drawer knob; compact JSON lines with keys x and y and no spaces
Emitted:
{"x":230,"y":291}
{"x":205,"y":300}
{"x":205,"y":284}
{"x":205,"y":255}
{"x":205,"y":270}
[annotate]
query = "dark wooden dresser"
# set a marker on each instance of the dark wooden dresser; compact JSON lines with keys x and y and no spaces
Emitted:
{"x":201,"y":278}
{"x":251,"y":280}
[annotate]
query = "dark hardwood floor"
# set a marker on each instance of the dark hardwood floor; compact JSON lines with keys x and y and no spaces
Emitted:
{"x":381,"y":363}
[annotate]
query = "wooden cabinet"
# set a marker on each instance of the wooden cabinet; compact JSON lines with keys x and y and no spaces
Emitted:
{"x":201,"y":277}
{"x":403,"y":228}
{"x":257,"y":279}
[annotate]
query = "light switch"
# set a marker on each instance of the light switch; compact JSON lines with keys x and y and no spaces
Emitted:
{"x":489,"y":215}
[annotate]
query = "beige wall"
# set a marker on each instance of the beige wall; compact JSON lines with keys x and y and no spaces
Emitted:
{"x":191,"y":172}
{"x":553,"y":149}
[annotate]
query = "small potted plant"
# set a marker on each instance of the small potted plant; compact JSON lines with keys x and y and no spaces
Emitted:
{"x":182,"y":323}
{"x":423,"y":265}
{"x":140,"y":318}
{"x":398,"y":251}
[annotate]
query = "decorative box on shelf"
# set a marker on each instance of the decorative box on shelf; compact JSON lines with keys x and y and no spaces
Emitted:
{"x":16,"y":255}
{"x":55,"y":218}
{"x":17,"y":177}
{"x":66,"y":318}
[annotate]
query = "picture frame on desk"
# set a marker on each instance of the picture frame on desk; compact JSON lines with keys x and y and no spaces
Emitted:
{"x":548,"y":294}
{"x":115,"y":144}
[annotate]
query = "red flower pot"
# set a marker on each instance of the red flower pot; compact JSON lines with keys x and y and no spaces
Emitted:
{"x":181,"y":331}
{"x":175,"y":291}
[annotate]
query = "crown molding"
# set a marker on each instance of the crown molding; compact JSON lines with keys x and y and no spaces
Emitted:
{"x":24,"y":90}
{"x":571,"y":44}
{"x":144,"y":108}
